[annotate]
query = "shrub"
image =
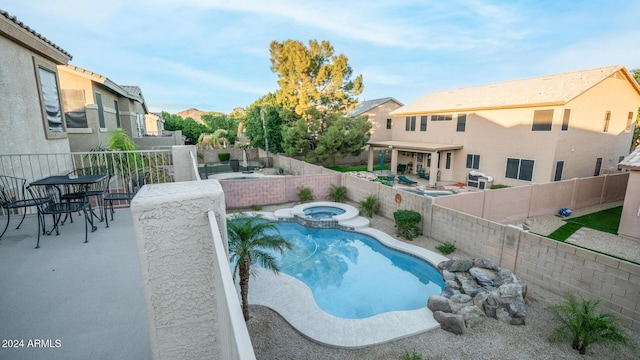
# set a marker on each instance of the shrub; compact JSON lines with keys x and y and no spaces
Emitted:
{"x":407,"y":223}
{"x":499,"y":186}
{"x":447,"y":248}
{"x":370,"y":205}
{"x":413,"y":356}
{"x":280,"y":170}
{"x":383,"y":181}
{"x":579,"y":321}
{"x":224,"y":156}
{"x":337,"y":193}
{"x":305,"y":194}
{"x":256,"y":207}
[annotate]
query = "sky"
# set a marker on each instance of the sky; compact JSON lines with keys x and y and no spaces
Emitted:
{"x":213,"y":55}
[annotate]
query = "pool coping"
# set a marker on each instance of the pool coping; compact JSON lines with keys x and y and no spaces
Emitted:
{"x":293,"y":300}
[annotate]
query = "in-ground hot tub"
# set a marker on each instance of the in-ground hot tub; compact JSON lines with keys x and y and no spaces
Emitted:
{"x":325,"y":210}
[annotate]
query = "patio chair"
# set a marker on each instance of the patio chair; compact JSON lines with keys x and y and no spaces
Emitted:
{"x":406,"y":180}
{"x":96,"y":190}
{"x":56,"y":206}
{"x":130,"y":189}
{"x":14,"y":196}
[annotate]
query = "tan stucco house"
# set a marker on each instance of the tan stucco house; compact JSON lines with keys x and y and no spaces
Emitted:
{"x":533,"y":130}
{"x":630,"y":219}
{"x":32,"y":115}
{"x":377,"y":111}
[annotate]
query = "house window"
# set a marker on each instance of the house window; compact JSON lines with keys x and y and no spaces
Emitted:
{"x":447,"y":164}
{"x":596,"y":172}
{"x":559,"y":168}
{"x":473,"y":161}
{"x":410,"y":124}
{"x":542,"y":120}
{"x":607,"y":119}
{"x":75,"y":115}
{"x":50,"y":105}
{"x":441,"y":117}
{"x":100,"y":110}
{"x":462,"y":122}
{"x":565,"y":119}
{"x":115,"y":105}
{"x":388,"y":124}
{"x":629,"y":121}
{"x":520,"y":169}
{"x":423,"y":122}
{"x":620,"y":158}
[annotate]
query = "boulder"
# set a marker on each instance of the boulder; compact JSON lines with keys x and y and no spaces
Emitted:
{"x":439,"y":303}
{"x":472,"y":315}
{"x":450,"y":322}
{"x":456,"y":265}
{"x":486,"y":264}
{"x":480,"y":299}
{"x":448,"y":275}
{"x":468,"y":283}
{"x":484,"y":277}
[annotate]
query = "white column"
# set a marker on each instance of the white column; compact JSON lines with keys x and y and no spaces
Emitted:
{"x":394,"y":161}
{"x":370,"y":159}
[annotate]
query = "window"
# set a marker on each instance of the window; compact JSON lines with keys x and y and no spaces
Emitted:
{"x":620,"y":158}
{"x":565,"y":119}
{"x":462,"y":122}
{"x":542,"y":120}
{"x":629,"y":121}
{"x":447,"y":164}
{"x":73,"y":102}
{"x":607,"y":119}
{"x":49,"y":92}
{"x":559,"y":168}
{"x":473,"y":161}
{"x":441,"y":117}
{"x":115,"y":105}
{"x":519,"y":169}
{"x":596,"y":172}
{"x":388,"y":124}
{"x":423,"y":122}
{"x":410,"y":124}
{"x":100,"y":110}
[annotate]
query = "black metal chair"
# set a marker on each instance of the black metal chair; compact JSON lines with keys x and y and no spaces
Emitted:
{"x":56,"y":206}
{"x":130,"y":189}
{"x":14,"y":196}
{"x":96,"y":190}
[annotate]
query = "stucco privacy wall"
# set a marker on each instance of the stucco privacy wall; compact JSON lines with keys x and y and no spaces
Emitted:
{"x":276,"y":190}
{"x":517,"y":203}
{"x":175,"y":248}
{"x":552,"y":265}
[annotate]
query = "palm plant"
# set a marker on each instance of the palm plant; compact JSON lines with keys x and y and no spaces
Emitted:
{"x":213,"y":139}
{"x":337,"y":193}
{"x":579,"y":321}
{"x":253,"y":241}
{"x":370,"y":205}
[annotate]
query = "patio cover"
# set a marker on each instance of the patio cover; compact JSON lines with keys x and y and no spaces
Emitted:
{"x":414,"y":146}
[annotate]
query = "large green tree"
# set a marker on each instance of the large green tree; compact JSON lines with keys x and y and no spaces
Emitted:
{"x":636,"y":130}
{"x":252,"y":241}
{"x":189,"y":127}
{"x":215,"y":121}
{"x":313,"y":76}
{"x":266,"y":117}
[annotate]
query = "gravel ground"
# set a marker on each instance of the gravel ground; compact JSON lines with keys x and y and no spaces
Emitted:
{"x":274,"y":338}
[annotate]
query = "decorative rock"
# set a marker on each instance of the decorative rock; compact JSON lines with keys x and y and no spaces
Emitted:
{"x":486,"y":264}
{"x":456,"y":265}
{"x":439,"y":303}
{"x":483,"y":276}
{"x":468,"y":283}
{"x":450,"y":322}
{"x":505,"y":276}
{"x":461,"y":298}
{"x":448,"y":275}
{"x":452,"y":284}
{"x":480,"y":299}
{"x":449,"y":292}
{"x":472,"y":315}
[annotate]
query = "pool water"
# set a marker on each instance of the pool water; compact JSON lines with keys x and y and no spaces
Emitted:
{"x":352,"y":275}
{"x":323,"y":212}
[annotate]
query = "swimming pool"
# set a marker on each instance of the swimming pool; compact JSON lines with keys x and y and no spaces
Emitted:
{"x":351,"y":275}
{"x":323,"y":212}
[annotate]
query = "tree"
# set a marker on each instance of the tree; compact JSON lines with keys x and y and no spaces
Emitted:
{"x":189,"y":127}
{"x":275,"y":116}
{"x":209,"y":140}
{"x":313,"y":77}
{"x":253,"y":241}
{"x":636,"y":130}
{"x":342,"y":136}
{"x":215,"y":121}
{"x":579,"y":321}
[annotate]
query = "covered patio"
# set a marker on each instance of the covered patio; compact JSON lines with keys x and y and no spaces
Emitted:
{"x":70,"y":300}
{"x":414,"y":157}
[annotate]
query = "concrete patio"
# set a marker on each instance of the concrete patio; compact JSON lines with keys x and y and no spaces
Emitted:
{"x":83,"y":300}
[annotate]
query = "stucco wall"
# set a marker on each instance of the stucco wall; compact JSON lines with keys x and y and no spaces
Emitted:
{"x":21,"y":118}
{"x":631,"y":208}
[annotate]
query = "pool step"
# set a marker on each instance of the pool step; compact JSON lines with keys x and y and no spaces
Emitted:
{"x":355,"y":223}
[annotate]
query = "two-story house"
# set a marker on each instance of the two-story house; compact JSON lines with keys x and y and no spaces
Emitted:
{"x":533,"y":130}
{"x":377,"y":111}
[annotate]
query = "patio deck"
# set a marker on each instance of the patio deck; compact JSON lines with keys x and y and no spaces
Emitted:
{"x":87,"y":296}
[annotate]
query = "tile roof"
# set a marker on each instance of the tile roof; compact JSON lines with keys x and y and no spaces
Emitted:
{"x":548,"y":89}
{"x":367,"y":105}
{"x":15,"y":20}
{"x":632,"y":161}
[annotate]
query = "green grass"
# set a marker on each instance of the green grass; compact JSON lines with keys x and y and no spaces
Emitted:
{"x":605,"y":220}
{"x":563,"y":232}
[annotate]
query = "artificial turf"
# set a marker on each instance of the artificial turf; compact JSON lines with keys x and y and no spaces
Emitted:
{"x":605,"y":220}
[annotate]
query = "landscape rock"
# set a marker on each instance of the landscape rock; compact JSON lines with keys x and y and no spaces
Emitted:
{"x":450,"y":322}
{"x":476,"y":289}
